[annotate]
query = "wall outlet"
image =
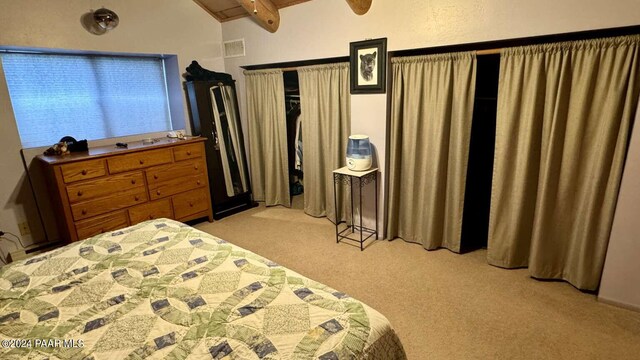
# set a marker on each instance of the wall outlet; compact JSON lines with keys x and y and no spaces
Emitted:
{"x":24,"y":228}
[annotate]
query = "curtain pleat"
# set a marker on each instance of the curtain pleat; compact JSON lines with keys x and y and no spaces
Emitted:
{"x":431,"y":114}
{"x":325,"y":104}
{"x":267,"y":136}
{"x":563,"y":123}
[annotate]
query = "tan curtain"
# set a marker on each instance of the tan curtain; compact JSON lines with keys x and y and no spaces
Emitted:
{"x":267,"y":136}
{"x":564,"y":115}
{"x":325,"y":104}
{"x":431,"y":113}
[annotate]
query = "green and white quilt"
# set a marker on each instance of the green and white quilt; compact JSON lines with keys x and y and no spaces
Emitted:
{"x":162,"y":289}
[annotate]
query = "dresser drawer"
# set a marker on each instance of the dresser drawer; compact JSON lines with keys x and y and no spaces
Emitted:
{"x":138,"y":160}
{"x":88,"y":190}
{"x":185,"y":152}
{"x":103,"y":205}
{"x":83,"y":170}
{"x":159,"y":174}
{"x":149,"y":211}
{"x":100,"y":224}
{"x":176,"y":186}
{"x":190,"y":203}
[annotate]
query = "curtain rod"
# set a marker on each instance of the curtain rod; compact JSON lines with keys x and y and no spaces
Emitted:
{"x":488,"y":52}
{"x":478,"y":52}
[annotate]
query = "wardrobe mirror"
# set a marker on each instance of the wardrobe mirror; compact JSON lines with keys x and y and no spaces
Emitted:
{"x":228,"y":139}
{"x":214,"y":114}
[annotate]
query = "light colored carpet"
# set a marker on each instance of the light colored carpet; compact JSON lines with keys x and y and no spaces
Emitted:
{"x":442,"y":305}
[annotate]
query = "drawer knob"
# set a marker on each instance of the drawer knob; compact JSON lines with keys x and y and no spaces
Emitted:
{"x":137,"y":197}
{"x":150,"y":217}
{"x":188,"y":152}
{"x":155,"y":177}
{"x":84,"y":212}
{"x":196,"y":167}
{"x":133,"y":181}
{"x":198,"y":182}
{"x":84,"y":172}
{"x":190,"y":204}
{"x":141,"y":161}
{"x":158,"y":192}
{"x":79,"y":193}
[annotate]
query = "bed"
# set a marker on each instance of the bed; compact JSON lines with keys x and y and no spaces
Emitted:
{"x":162,"y":289}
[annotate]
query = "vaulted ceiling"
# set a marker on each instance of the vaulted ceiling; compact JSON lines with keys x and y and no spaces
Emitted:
{"x":226,"y":10}
{"x":265,"y":12}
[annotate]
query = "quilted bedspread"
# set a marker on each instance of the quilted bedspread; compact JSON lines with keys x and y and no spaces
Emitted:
{"x":162,"y":289}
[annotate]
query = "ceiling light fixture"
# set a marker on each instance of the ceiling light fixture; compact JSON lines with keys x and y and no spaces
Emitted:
{"x":106,"y":19}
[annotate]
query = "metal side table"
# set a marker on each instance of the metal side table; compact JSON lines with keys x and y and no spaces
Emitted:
{"x":344,"y":176}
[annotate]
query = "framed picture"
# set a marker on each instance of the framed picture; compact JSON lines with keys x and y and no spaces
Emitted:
{"x":368,"y":66}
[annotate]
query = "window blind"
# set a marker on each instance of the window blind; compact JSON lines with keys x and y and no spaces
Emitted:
{"x":87,"y":97}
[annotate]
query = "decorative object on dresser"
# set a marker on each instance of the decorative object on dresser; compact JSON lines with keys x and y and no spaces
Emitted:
{"x":214,"y":114}
{"x":107,"y":188}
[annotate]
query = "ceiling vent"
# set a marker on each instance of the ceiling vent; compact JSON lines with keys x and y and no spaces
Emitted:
{"x":233,"y":48}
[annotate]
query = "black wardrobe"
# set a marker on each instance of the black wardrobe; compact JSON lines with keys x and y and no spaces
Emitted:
{"x":214,"y":114}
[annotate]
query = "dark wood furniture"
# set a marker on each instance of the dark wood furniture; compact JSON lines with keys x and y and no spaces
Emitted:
{"x":214,"y":114}
{"x":108,"y":188}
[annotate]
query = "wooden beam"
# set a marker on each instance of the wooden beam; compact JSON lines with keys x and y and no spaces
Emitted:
{"x":359,"y":7}
{"x":267,"y":14}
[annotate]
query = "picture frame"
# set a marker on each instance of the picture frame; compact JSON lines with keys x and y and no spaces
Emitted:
{"x":368,"y":66}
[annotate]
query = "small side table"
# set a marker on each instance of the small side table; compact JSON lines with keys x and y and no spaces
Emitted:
{"x":344,"y":176}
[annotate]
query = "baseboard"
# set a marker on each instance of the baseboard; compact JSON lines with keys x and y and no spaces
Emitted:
{"x":32,"y":250}
{"x":619,"y":304}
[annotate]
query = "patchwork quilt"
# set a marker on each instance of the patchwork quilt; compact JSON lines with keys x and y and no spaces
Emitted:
{"x":162,"y":289}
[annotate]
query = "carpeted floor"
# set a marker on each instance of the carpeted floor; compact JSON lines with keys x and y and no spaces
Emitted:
{"x":442,"y":305}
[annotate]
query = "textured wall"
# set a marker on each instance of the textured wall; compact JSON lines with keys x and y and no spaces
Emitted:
{"x":320,"y":29}
{"x":621,"y":277}
{"x":146,"y":26}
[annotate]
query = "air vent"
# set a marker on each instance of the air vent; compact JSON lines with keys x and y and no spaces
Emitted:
{"x":233,"y":48}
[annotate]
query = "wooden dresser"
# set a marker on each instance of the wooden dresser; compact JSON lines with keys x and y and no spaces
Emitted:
{"x":108,"y":188}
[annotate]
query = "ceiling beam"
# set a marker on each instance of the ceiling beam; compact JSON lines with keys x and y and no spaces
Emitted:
{"x":267,"y":14}
{"x":359,"y":7}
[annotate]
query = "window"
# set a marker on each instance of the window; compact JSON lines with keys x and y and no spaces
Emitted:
{"x":86,"y":96}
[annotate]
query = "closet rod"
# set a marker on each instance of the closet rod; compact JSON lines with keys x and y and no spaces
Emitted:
{"x":488,"y":52}
{"x":478,"y":52}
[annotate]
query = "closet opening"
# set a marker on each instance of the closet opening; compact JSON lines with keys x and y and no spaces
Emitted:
{"x":294,"y":138}
{"x":477,"y":203}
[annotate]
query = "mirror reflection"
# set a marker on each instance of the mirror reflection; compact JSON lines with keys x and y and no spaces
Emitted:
{"x":226,"y":123}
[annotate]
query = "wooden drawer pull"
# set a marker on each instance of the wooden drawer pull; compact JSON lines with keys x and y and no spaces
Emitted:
{"x":141,"y":161}
{"x":188,"y":152}
{"x":155,"y":176}
{"x":133,"y":181}
{"x":158,"y":192}
{"x":190,"y":204}
{"x":79,"y":193}
{"x":137,"y":197}
{"x":84,"y":212}
{"x":150,"y":217}
{"x":84,"y":172}
{"x":198,"y":182}
{"x":196,"y":167}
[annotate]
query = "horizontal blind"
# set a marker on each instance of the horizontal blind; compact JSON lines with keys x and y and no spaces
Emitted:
{"x":87,"y":97}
